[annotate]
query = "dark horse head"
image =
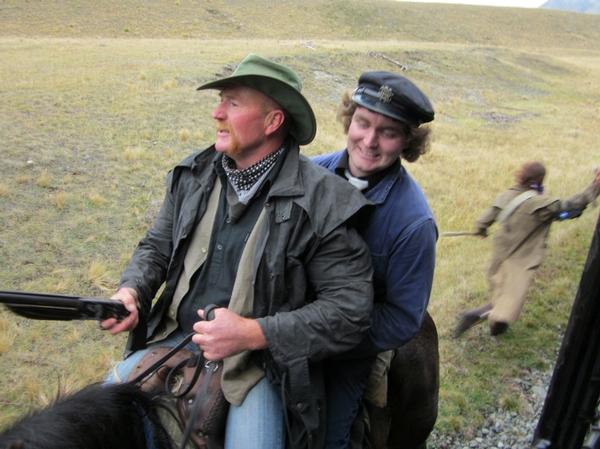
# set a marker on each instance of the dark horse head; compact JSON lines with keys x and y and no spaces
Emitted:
{"x":100,"y":416}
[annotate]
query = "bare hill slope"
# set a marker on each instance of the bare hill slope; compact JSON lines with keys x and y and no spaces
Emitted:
{"x":309,"y":19}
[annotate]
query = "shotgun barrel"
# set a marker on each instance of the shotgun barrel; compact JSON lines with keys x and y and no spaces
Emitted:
{"x":48,"y":306}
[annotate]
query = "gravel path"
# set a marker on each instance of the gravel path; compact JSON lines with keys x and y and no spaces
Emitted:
{"x":502,"y":429}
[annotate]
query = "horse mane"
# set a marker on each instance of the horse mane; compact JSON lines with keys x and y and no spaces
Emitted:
{"x":100,"y":416}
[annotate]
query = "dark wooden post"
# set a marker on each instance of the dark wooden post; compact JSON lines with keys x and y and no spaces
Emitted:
{"x":572,"y":396}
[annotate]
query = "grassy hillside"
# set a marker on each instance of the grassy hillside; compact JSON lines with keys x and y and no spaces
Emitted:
{"x":310,"y":19}
{"x":97,"y":103}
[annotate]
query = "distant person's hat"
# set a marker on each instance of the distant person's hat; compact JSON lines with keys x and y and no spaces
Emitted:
{"x":393,"y":96}
{"x":279,"y":83}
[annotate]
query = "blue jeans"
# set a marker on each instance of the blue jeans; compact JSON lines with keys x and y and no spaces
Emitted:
{"x":345,"y":382}
{"x":257,"y":423}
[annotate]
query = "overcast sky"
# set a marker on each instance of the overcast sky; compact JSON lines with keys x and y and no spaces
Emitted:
{"x":519,"y":3}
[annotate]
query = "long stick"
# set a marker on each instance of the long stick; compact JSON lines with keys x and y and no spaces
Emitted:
{"x":457,"y":233}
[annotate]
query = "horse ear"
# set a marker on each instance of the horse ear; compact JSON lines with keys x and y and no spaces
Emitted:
{"x":19,"y":444}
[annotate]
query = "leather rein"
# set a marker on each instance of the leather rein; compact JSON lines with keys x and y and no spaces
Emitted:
{"x":198,"y":362}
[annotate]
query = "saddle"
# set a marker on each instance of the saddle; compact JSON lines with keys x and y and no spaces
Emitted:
{"x":195,"y":385}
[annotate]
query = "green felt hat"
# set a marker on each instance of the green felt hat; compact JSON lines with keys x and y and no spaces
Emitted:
{"x":279,"y":83}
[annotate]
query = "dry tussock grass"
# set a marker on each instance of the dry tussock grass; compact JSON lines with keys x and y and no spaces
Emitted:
{"x":44,"y":180}
{"x":97,"y":199}
{"x":99,"y":276}
{"x":184,"y":135}
{"x":59,"y":199}
{"x":7,"y":335}
{"x":134,"y":153}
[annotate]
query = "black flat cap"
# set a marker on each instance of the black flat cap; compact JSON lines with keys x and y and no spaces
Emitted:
{"x":393,"y":96}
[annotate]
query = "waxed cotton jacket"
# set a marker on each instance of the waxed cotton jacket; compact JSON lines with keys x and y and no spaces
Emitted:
{"x":312,"y":288}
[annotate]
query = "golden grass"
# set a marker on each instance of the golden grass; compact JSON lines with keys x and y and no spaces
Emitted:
{"x":133,"y":153}
{"x":99,"y":276}
{"x":7,"y":335}
{"x":97,"y":199}
{"x":44,"y":180}
{"x":59,"y":199}
{"x":350,"y":20}
{"x":184,"y":135}
{"x":87,"y":143}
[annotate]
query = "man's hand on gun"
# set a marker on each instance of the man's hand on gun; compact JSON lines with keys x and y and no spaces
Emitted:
{"x":128,"y":297}
{"x":225,"y":335}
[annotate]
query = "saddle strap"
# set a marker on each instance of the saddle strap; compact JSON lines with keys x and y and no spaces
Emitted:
{"x":208,"y":409}
{"x":161,"y":361}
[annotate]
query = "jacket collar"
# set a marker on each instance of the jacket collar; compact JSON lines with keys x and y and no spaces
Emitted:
{"x":197,"y":163}
{"x":380,"y":191}
{"x":289,"y":182}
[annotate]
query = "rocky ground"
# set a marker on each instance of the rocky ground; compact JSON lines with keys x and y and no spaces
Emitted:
{"x":504,"y":429}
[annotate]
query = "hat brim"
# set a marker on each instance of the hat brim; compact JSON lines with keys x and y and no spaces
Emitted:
{"x":304,"y":123}
{"x":394,"y":112}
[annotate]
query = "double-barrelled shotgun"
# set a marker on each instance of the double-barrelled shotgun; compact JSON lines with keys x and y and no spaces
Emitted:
{"x":47,"y":306}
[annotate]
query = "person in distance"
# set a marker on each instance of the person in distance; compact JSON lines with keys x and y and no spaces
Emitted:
{"x":524,"y":214}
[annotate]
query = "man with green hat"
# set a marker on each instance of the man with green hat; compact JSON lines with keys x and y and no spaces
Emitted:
{"x":250,"y":225}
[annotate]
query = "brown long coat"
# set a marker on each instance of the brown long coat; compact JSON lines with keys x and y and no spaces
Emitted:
{"x":520,"y":244}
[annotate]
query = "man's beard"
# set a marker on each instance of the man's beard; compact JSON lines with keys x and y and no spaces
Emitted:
{"x":233,"y":146}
